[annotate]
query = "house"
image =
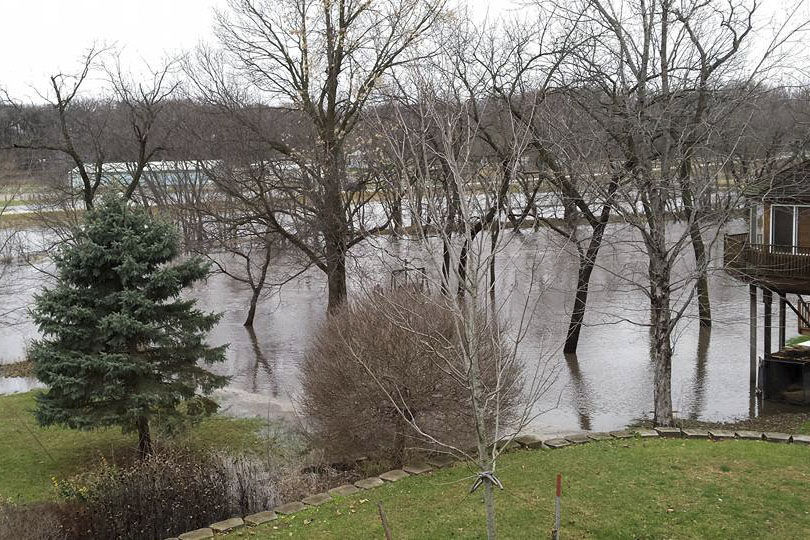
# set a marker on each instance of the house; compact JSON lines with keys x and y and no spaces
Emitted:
{"x":159,"y":173}
{"x":773,"y":257}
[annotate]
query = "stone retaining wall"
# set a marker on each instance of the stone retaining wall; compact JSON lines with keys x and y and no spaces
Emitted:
{"x":444,"y":460}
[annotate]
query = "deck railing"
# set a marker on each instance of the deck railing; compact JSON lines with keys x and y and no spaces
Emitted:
{"x":766,"y":262}
{"x":804,"y":317}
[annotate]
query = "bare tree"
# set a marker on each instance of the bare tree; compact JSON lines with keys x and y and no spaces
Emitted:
{"x":254,"y":250}
{"x":437,"y":142}
{"x":524,"y":65}
{"x":8,"y":248}
{"x":322,"y":60}
{"x":125,"y":124}
{"x":655,"y":75}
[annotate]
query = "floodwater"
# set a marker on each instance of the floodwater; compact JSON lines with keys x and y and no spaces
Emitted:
{"x":605,"y":386}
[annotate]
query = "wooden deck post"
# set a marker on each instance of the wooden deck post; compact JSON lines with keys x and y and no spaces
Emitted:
{"x":752,"y":291}
{"x":767,"y":299}
{"x":782,"y":306}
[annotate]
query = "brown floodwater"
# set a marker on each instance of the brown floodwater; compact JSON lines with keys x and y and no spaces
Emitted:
{"x":605,"y":386}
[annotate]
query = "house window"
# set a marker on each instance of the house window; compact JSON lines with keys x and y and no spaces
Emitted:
{"x":783,"y":227}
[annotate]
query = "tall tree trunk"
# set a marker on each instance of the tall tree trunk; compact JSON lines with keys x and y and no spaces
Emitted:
{"x":472,"y":347}
{"x":397,"y":221}
{"x":661,"y":346}
{"x":258,"y":285}
{"x":704,"y":303}
{"x":699,"y":248}
{"x":446,"y":265}
{"x":580,"y":303}
{"x":462,"y":270}
{"x":489,"y":504}
{"x":336,"y":276}
{"x":144,"y":438}
{"x":493,"y":244}
{"x":587,"y":261}
{"x":254,"y":299}
{"x":335,"y":230}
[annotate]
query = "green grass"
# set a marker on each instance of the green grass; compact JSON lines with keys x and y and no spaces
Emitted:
{"x":796,"y":340}
{"x":614,"y":489}
{"x":30,"y":456}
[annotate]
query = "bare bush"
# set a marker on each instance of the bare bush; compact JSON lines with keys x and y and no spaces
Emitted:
{"x":382,"y":374}
{"x":164,"y":495}
{"x":40,"y":521}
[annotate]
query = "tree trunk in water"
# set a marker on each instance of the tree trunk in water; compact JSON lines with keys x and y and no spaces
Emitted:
{"x":258,"y":286}
{"x":144,"y":438}
{"x":580,"y":302}
{"x":254,"y":299}
{"x":704,"y":304}
{"x":586,"y":263}
{"x":701,"y":265}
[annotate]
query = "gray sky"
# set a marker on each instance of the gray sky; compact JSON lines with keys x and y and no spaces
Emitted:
{"x":42,"y":37}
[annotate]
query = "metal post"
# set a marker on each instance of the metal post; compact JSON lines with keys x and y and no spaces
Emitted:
{"x":555,"y":534}
{"x":782,"y":310}
{"x":767,"y":299}
{"x":752,"y":291}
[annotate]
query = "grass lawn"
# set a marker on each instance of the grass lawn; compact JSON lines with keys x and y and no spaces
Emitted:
{"x":660,"y":488}
{"x":30,"y":455}
{"x":796,"y":340}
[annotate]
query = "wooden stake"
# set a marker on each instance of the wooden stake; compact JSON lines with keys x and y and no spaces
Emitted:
{"x":386,"y":527}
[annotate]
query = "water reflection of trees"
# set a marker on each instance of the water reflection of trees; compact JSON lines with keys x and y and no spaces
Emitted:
{"x":699,"y":380}
{"x":581,"y":391}
{"x":262,"y":364}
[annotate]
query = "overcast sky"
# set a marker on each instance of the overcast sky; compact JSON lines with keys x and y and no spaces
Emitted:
{"x":42,"y":37}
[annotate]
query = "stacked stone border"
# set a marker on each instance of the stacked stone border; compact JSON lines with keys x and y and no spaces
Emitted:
{"x":445,"y":460}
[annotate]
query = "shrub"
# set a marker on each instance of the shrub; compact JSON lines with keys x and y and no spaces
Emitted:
{"x":172,"y":492}
{"x":39,"y":521}
{"x":164,"y":495}
{"x":398,"y":346}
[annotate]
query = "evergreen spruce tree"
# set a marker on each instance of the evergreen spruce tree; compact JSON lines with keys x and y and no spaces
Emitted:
{"x":120,"y":347}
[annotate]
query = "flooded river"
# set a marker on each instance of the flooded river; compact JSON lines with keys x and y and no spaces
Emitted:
{"x":605,"y":386}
